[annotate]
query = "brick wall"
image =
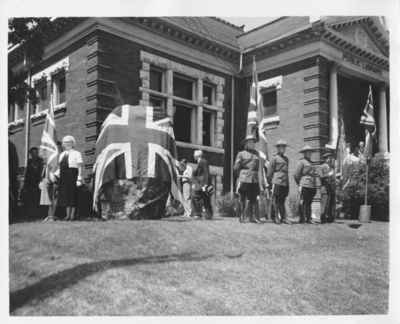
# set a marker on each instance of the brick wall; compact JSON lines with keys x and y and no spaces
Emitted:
{"x":69,"y":120}
{"x":104,"y":71}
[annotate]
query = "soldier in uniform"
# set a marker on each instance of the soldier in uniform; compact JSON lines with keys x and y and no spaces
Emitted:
{"x":328,"y":199}
{"x":305,"y":177}
{"x":278,"y":177}
{"x":247,"y":165}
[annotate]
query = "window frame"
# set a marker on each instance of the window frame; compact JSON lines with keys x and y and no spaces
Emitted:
{"x":264,"y":91}
{"x":193,"y":119}
{"x":212,"y":126}
{"x":213,"y":93}
{"x":55,"y":83}
{"x":185,"y":78}
{"x":163,"y":78}
{"x":39,"y":106}
{"x":162,"y":99}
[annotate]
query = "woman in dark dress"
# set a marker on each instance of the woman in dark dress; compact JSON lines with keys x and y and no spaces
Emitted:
{"x":70,"y":177}
{"x":31,"y":191}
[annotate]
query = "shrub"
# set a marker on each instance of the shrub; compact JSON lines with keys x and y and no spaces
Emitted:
{"x":378,"y":190}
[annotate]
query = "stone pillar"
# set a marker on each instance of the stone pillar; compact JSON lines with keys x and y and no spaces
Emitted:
{"x":169,"y":87}
{"x":382,"y":127}
{"x":333,"y":106}
{"x":200,"y":112}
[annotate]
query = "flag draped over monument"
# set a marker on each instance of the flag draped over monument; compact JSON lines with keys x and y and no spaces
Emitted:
{"x":137,"y":142}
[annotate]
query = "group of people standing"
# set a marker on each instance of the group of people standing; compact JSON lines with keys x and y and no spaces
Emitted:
{"x":196,"y":186}
{"x":53,"y":190}
{"x":256,"y":178}
{"x":59,"y":189}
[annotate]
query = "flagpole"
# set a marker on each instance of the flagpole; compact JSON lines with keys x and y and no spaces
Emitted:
{"x":366,"y":184}
{"x":232,"y":133}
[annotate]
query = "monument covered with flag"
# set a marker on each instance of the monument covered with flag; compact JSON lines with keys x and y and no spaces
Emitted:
{"x":135,"y":169}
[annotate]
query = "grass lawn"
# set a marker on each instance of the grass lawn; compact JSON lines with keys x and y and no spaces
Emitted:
{"x":219,"y":267}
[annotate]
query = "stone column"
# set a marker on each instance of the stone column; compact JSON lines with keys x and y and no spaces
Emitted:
{"x":333,"y":106}
{"x":169,"y":87}
{"x":200,"y":112}
{"x":382,"y":127}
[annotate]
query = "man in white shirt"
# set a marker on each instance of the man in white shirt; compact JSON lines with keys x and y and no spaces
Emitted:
{"x":186,"y":179}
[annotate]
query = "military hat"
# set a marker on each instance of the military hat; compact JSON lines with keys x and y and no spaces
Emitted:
{"x":281,"y":143}
{"x":248,"y":138}
{"x":306,"y":148}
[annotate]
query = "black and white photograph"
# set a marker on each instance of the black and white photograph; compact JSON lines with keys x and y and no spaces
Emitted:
{"x":210,"y":164}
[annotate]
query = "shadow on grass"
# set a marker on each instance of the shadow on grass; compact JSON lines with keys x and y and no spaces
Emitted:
{"x":54,"y":283}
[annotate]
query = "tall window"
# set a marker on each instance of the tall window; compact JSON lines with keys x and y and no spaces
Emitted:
{"x":183,"y":123}
{"x":208,"y":127}
{"x":59,"y":87}
{"x":269,"y":102}
{"x":41,"y":94}
{"x":183,"y":87}
{"x":156,"y":79}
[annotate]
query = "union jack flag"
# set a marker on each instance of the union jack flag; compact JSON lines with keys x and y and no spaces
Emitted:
{"x":255,"y":116}
{"x":48,"y":143}
{"x":136,"y":141}
{"x":368,"y":121}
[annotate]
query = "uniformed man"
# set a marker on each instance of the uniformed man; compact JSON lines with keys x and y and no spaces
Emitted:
{"x":305,"y":177}
{"x":247,"y":165}
{"x":328,"y":198}
{"x":278,"y":177}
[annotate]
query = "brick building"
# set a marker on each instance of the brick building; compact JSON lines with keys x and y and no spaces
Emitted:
{"x":312,"y":73}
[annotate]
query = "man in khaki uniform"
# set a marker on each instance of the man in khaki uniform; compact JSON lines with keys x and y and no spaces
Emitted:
{"x":328,"y":199}
{"x":279,"y":178}
{"x":305,"y":177}
{"x":247,"y":166}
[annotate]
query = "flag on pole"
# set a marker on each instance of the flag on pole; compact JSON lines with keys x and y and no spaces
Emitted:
{"x":368,"y":121}
{"x":136,"y":142}
{"x":48,"y":151}
{"x":255,"y":127}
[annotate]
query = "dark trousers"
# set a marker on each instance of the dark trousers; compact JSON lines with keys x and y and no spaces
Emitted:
{"x":307,"y":196}
{"x":199,"y":200}
{"x":328,"y":204}
{"x":248,"y":198}
{"x":279,"y":195}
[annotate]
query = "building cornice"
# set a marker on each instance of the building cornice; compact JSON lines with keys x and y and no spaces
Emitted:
{"x":309,"y":34}
{"x":379,"y":36}
{"x":338,"y":40}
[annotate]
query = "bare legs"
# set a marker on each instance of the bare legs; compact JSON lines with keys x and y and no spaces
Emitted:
{"x":70,"y":211}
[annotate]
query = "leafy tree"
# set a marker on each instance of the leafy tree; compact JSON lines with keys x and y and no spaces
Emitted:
{"x":30,"y":34}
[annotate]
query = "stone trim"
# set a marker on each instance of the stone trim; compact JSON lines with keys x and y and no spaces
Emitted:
{"x":167,"y":64}
{"x":275,"y":82}
{"x":51,"y":70}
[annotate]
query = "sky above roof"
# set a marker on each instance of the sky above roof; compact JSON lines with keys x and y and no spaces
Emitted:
{"x":249,"y":22}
